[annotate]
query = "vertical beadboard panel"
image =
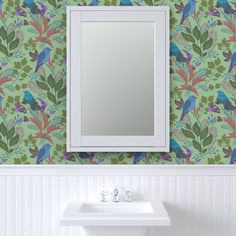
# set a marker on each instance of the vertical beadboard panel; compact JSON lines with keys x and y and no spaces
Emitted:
{"x":137,"y":188}
{"x":100,"y":185}
{"x":36,"y":202}
{"x":92,"y":188}
{"x":83,"y":188}
{"x":233,"y":206}
{"x":208,"y":205}
{"x":145,"y":187}
{"x":217,"y":205}
{"x":20,"y":205}
{"x":226,"y":203}
{"x":11,"y":206}
{"x":181,"y":204}
{"x":66,"y":194}
{"x":73,"y":195}
{"x":127,"y":183}
{"x":46,"y":199}
{"x":28,"y":206}
{"x":163,"y":181}
{"x":3,"y":208}
{"x":197,"y":205}
{"x":56,"y":229}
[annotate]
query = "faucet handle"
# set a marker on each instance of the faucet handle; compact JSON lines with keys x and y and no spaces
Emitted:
{"x":128,"y":196}
{"x":103,"y":196}
{"x":116,"y":192}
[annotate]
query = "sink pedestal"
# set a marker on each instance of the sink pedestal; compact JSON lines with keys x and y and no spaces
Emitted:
{"x":115,"y":231}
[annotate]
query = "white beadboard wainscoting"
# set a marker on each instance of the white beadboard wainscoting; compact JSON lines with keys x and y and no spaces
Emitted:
{"x":200,"y":200}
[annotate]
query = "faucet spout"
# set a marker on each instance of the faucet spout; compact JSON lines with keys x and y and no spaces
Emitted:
{"x":116,"y":195}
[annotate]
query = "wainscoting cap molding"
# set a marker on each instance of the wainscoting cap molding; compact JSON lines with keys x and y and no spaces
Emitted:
{"x":127,"y":170}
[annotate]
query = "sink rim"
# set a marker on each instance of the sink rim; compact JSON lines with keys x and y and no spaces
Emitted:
{"x":72,"y":217}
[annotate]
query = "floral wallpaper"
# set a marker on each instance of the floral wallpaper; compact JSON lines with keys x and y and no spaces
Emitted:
{"x":33,"y":79}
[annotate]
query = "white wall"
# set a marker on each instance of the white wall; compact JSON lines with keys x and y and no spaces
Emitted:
{"x":201,"y":201}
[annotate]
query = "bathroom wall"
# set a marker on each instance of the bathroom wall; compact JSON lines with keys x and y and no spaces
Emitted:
{"x":32,"y":96}
{"x":199,"y":200}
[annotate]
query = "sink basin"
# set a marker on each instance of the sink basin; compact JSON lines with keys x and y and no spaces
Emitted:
{"x":115,"y":214}
{"x":116,"y":208}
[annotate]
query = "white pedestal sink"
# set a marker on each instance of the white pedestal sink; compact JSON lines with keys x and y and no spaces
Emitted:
{"x":115,"y":219}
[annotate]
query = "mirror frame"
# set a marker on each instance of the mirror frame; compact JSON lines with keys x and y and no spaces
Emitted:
{"x":159,"y":142}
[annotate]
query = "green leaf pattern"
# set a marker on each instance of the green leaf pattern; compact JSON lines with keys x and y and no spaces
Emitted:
{"x":206,"y":43}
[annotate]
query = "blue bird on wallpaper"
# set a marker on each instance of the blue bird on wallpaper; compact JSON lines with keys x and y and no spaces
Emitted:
{"x":226,"y":6}
{"x":1,"y":99}
{"x":232,"y":62}
{"x":43,"y":58}
{"x":126,"y":3}
{"x":29,"y":99}
{"x":43,"y":153}
{"x":174,"y":147}
{"x":233,"y":157}
{"x":175,"y":51}
{"x":223,"y":99}
{"x":188,"y":10}
{"x":138,"y":156}
{"x":32,"y":6}
{"x":94,"y":3}
{"x":188,"y":106}
{"x":1,"y":5}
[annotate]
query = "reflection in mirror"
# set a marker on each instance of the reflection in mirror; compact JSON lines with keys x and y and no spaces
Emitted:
{"x":117,"y":78}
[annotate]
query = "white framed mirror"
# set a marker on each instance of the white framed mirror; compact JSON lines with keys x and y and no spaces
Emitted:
{"x":117,"y":79}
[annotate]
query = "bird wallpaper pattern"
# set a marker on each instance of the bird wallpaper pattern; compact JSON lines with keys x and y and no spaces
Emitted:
{"x":33,"y":83}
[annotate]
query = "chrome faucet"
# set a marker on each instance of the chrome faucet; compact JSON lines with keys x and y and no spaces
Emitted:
{"x":103,"y":196}
{"x":116,"y":195}
{"x":128,"y":196}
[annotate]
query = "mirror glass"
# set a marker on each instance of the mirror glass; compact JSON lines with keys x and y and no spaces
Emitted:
{"x":117,"y":78}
